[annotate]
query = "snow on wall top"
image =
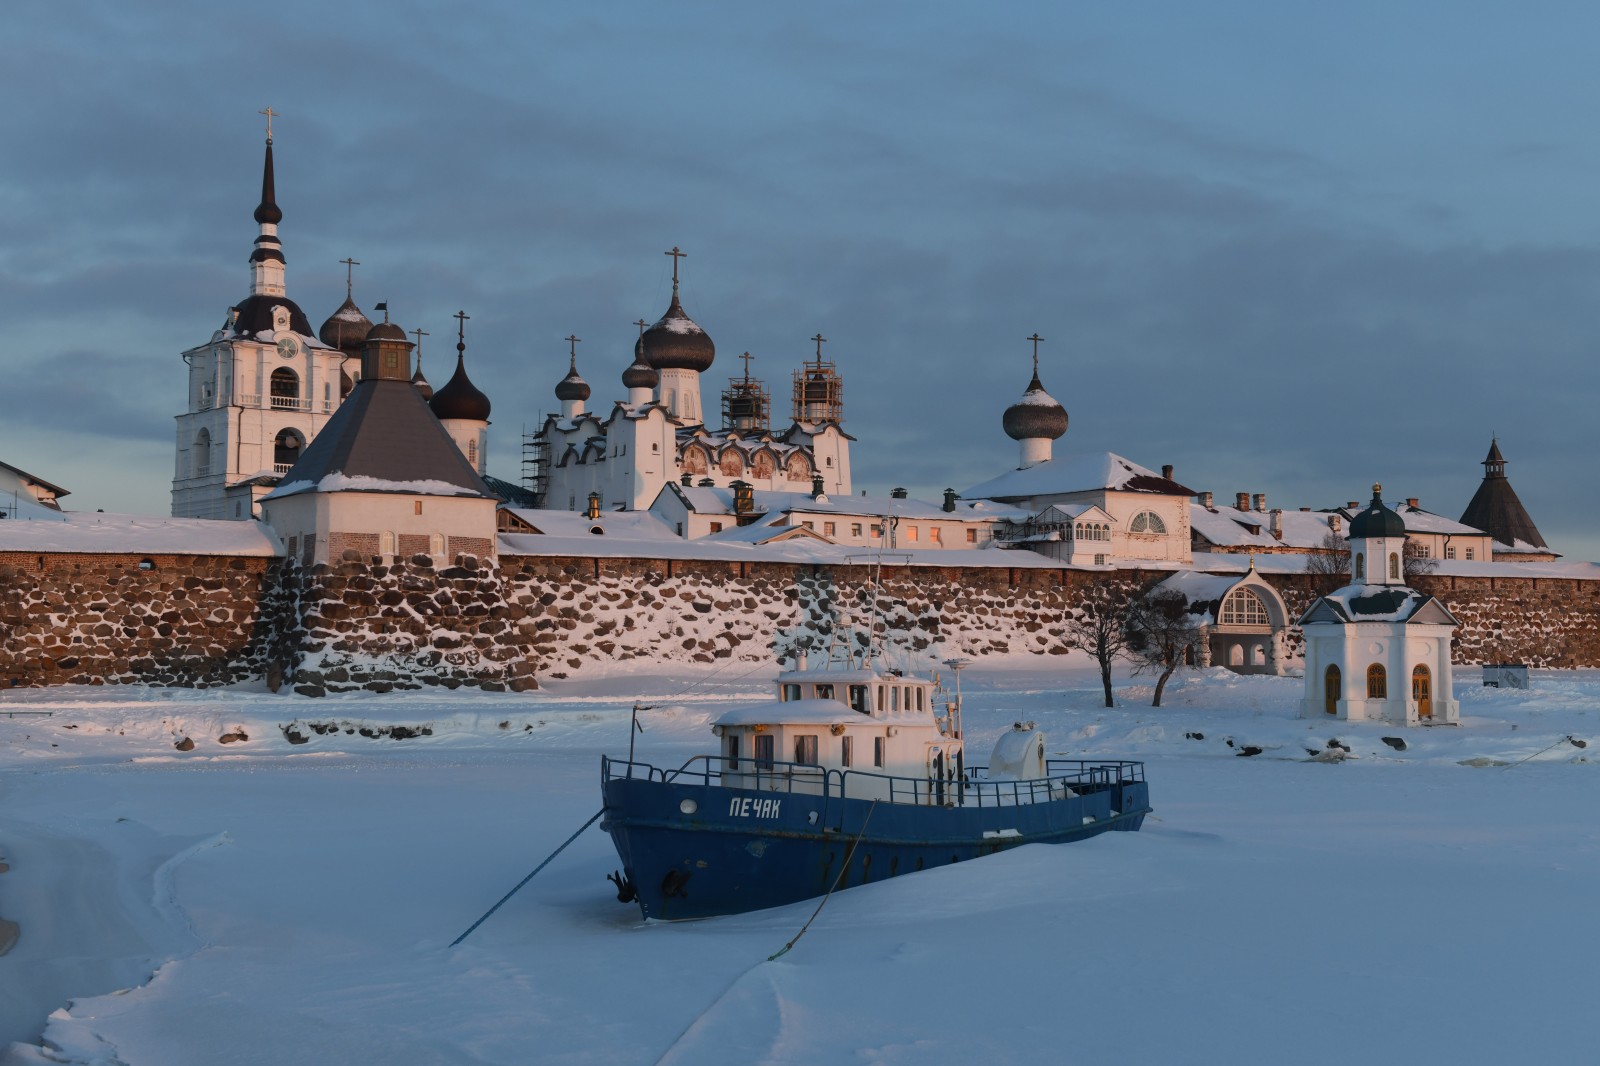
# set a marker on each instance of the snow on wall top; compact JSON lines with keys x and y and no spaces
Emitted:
{"x":719,"y":501}
{"x":100,"y":533}
{"x":363,"y":483}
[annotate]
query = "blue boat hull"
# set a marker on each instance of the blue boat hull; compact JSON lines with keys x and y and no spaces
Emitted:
{"x":692,"y":849}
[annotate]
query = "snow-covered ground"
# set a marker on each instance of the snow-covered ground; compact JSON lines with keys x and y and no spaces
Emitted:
{"x":262,"y":902}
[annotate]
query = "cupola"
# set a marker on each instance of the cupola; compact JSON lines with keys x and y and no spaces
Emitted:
{"x":459,"y":398}
{"x":1036,"y":419}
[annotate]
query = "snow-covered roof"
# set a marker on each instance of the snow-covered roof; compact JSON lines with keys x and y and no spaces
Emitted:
{"x":1228,"y":527}
{"x":1378,"y":603}
{"x":719,"y":501}
{"x":1419,"y":521}
{"x":627,"y":525}
{"x":796,"y":712}
{"x":1202,"y":591}
{"x":100,"y":533}
{"x":1080,"y":473}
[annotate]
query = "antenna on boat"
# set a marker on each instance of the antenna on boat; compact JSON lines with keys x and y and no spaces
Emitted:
{"x":954,"y":709}
{"x":635,"y":729}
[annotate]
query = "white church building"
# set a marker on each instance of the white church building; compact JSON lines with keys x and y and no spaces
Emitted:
{"x":1377,"y":649}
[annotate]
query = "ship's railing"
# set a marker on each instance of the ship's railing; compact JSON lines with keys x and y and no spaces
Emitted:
{"x":1066,"y":777}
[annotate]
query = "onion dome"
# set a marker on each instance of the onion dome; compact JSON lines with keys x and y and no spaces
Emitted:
{"x":346,"y":328}
{"x":1377,"y":520}
{"x":640,"y":374}
{"x":1037,"y":415}
{"x":421,"y":382}
{"x":676,"y":342}
{"x":572,"y":387}
{"x":460,"y":398}
{"x":386,"y":331}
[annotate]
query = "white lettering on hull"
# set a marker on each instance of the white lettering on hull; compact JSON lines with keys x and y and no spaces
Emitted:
{"x":750,"y":807}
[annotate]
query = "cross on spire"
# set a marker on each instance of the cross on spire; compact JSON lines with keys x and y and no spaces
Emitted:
{"x":349,"y":275}
{"x":676,"y":255}
{"x":461,"y":330}
{"x":821,"y":340}
{"x":641,"y":324}
{"x":747,"y":357}
{"x":1035,"y":339}
{"x":420,"y":333}
{"x":573,"y":341}
{"x":269,"y":113}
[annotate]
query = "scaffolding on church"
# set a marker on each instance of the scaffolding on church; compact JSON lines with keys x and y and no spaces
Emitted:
{"x":746,"y":407}
{"x":818,"y":391}
{"x":536,"y":463}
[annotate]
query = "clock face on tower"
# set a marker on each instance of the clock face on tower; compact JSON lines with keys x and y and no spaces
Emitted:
{"x":287,"y":347}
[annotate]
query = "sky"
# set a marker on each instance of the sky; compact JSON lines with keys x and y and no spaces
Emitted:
{"x":1290,"y":249}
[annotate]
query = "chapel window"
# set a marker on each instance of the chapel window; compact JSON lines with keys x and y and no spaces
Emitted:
{"x":1377,"y":682}
{"x":1244,"y":608}
{"x":1147,"y":522}
{"x":1394,"y":566}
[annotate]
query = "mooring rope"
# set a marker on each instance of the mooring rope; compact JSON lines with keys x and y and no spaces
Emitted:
{"x":851,"y":854}
{"x":525,"y":880}
{"x":1564,"y":740}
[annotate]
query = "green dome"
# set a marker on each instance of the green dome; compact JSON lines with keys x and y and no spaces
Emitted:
{"x":1377,"y":520}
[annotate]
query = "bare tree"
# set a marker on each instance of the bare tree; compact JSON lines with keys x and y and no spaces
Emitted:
{"x":1101,"y":630}
{"x":1160,"y":631}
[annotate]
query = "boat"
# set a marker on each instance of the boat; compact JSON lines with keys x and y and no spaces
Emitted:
{"x":853,"y":774}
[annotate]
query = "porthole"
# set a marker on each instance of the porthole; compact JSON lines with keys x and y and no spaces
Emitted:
{"x":688,"y":806}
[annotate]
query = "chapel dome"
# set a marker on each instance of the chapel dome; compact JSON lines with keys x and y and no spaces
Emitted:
{"x":1037,"y":415}
{"x":640,"y":374}
{"x":677,"y":343}
{"x":460,"y":398}
{"x":1377,"y":520}
{"x":386,"y":331}
{"x":572,"y":387}
{"x":346,"y":328}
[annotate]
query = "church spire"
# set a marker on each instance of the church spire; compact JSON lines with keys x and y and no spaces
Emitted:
{"x":266,"y":260}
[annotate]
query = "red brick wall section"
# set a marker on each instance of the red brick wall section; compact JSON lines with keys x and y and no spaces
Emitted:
{"x":478,"y":547}
{"x":412,"y":544}
{"x":364,"y":545}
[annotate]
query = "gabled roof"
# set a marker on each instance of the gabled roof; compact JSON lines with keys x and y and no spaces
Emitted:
{"x":1378,"y":603}
{"x":1102,"y":470}
{"x":383,"y":438}
{"x":32,"y":479}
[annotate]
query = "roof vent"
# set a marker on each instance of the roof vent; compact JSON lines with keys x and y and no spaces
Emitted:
{"x":897,"y":493}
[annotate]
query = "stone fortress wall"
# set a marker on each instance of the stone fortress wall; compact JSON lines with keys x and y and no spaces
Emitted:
{"x":197,"y":620}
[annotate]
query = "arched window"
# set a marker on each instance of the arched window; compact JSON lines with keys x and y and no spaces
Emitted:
{"x":1377,"y":682}
{"x":472,"y":453}
{"x":1394,"y":567}
{"x":386,"y":544}
{"x":1243,"y":607}
{"x":202,"y":453}
{"x":286,"y":447}
{"x":1331,"y":684}
{"x":1361,"y":565}
{"x":1236,"y":656}
{"x":436,"y":546}
{"x":1258,"y":655}
{"x":285,"y":389}
{"x":1147,"y":522}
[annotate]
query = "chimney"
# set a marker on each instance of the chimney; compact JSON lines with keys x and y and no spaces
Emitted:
{"x":744,"y":497}
{"x":1352,"y":505}
{"x":1241,"y":501}
{"x":688,"y":479}
{"x":1305,"y":509}
{"x":950,"y":499}
{"x":1276,"y":525}
{"x":816,"y":485}
{"x":594,"y":505}
{"x":1334,"y":524}
{"x":707,"y":483}
{"x":1411,"y":502}
{"x":1260,"y":501}
{"x":1204,"y":499}
{"x":1166,"y":471}
{"x":897,"y":493}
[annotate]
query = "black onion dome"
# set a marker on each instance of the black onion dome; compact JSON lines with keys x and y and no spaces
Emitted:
{"x":572,"y":387}
{"x":1377,"y":520}
{"x":676,"y":343}
{"x":386,"y":331}
{"x":422,"y":383}
{"x":640,"y":374}
{"x":255,"y":315}
{"x":460,"y":398}
{"x":346,"y":328}
{"x":1036,"y":415}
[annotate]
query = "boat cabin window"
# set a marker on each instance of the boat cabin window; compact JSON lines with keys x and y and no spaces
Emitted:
{"x":764,"y":751}
{"x":920,"y":707}
{"x":880,"y":699}
{"x":845,"y":754}
{"x":805,"y":749}
{"x":731,"y":746}
{"x":877,"y":750}
{"x":894,"y":697}
{"x":824,"y":692}
{"x":858,"y":699}
{"x":790,"y":692}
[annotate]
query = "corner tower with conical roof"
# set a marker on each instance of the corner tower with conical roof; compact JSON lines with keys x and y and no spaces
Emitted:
{"x":259,"y":390}
{"x":1496,"y":509}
